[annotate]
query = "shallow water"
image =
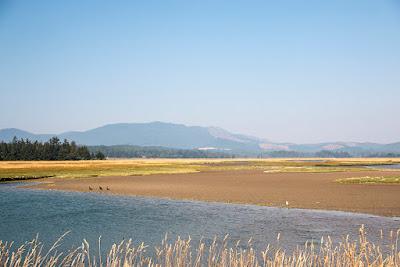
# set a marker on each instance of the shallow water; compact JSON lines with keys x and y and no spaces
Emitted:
{"x":26,"y":212}
{"x":390,"y":167}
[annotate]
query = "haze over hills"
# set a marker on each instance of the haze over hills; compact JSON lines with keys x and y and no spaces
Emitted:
{"x":149,"y":134}
{"x":191,"y":137}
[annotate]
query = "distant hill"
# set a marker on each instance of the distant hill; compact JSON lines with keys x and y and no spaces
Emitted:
{"x":8,"y":134}
{"x":179,"y":136}
{"x":354,"y":148}
{"x":150,"y":134}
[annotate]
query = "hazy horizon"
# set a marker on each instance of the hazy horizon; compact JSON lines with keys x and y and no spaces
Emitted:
{"x":284,"y":71}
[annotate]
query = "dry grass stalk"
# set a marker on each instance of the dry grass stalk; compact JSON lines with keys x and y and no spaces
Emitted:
{"x":181,"y":253}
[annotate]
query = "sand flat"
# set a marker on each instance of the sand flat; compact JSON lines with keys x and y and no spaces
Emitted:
{"x":301,"y":190}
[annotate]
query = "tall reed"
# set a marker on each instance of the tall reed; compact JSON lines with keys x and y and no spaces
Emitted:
{"x":358,"y":252}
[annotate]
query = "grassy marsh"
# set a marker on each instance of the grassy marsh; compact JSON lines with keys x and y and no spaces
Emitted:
{"x":15,"y":170}
{"x":370,"y":180}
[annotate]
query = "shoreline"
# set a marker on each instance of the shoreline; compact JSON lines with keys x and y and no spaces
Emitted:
{"x":354,"y":213}
{"x":315,"y":191}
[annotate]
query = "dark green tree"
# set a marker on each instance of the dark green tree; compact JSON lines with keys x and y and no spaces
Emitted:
{"x":50,"y":150}
{"x":99,"y":155}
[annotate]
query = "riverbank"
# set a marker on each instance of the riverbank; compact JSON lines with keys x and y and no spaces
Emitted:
{"x":290,"y":189}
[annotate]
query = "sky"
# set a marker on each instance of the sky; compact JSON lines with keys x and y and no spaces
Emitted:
{"x":288,"y":71}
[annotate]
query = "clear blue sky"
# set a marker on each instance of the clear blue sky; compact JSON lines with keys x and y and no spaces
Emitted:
{"x":299,"y":71}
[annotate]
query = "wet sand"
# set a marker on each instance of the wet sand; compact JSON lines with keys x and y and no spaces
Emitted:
{"x":301,"y":190}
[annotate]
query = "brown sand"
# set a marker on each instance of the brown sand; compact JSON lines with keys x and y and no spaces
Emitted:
{"x":301,"y":190}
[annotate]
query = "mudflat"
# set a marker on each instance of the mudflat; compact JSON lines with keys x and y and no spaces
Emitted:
{"x":300,"y":190}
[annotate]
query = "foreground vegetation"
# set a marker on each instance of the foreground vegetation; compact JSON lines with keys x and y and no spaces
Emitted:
{"x":14,"y":170}
{"x":182,"y":253}
{"x":50,"y":150}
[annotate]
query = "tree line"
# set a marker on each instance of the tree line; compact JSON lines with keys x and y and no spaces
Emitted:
{"x":54,"y":149}
{"x":129,"y":151}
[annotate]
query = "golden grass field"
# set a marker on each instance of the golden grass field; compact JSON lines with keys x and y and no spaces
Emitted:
{"x":131,"y":167}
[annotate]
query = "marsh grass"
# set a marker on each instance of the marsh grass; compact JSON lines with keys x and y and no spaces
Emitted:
{"x":181,"y":252}
{"x":73,"y":169}
{"x":15,"y":170}
{"x":370,"y":180}
{"x":310,"y":169}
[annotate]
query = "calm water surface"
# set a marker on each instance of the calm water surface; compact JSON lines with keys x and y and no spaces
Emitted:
{"x":390,"y":167}
{"x":26,"y":212}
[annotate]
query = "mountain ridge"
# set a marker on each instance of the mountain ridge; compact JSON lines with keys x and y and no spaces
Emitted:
{"x":180,"y":136}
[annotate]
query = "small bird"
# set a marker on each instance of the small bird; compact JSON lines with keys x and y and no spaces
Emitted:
{"x":101,"y":188}
{"x":90,"y":188}
{"x":108,"y":189}
{"x":287,"y":203}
